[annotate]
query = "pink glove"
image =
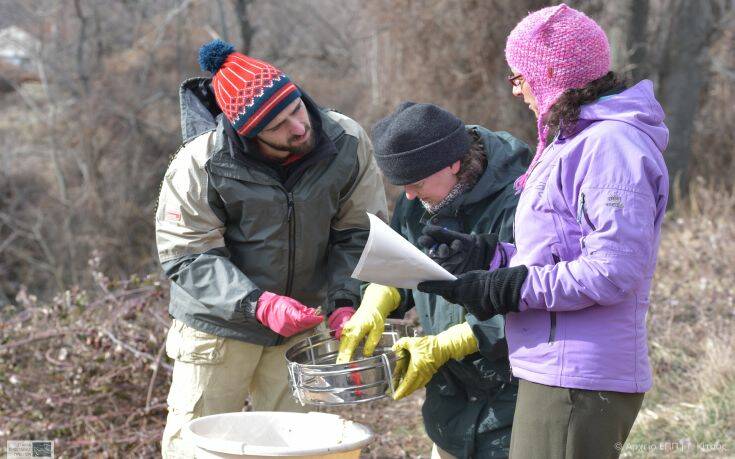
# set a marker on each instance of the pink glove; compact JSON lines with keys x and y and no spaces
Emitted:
{"x":338,"y":318}
{"x":284,"y":315}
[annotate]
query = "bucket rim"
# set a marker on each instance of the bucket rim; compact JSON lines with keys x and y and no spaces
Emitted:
{"x":240,"y":447}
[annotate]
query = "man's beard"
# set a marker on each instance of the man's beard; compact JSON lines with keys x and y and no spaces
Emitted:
{"x":300,"y":149}
{"x":433,"y":207}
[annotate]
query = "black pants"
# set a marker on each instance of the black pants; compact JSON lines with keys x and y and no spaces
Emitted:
{"x":556,"y":422}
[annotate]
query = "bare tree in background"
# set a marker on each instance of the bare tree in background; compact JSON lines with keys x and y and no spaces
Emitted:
{"x":86,"y":136}
{"x":90,"y":136}
{"x":682,"y":76}
{"x":97,"y":140}
{"x":628,"y":33}
{"x":452,"y":54}
{"x":247,"y":30}
{"x":671,"y":43}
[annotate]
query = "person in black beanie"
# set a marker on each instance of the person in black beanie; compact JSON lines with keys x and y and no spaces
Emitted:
{"x":457,"y":179}
{"x":418,"y":140}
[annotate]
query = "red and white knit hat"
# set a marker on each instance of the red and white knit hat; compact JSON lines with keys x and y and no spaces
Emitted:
{"x":249,"y":92}
{"x":555,"y":49}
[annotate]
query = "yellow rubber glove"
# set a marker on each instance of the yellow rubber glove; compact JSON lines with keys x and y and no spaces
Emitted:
{"x":369,"y":319}
{"x":427,"y":354}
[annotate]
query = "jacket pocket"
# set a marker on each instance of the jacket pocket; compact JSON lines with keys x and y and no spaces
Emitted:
{"x":582,"y":215}
{"x":188,"y":345}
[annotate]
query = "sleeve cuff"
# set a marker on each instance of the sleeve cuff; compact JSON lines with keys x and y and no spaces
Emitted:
{"x":503,"y":253}
{"x":527,"y":294}
{"x":341,"y":298}
{"x":247,"y":305}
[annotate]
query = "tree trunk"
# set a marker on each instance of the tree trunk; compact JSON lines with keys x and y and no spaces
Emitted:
{"x":223,"y":20}
{"x":627,"y":34}
{"x":682,"y":77}
{"x":637,"y":40}
{"x":246,"y":27}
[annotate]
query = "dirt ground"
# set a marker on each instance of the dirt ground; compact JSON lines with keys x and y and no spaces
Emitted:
{"x":398,"y":427}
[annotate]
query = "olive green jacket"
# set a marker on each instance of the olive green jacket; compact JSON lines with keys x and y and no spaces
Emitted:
{"x":229,"y":228}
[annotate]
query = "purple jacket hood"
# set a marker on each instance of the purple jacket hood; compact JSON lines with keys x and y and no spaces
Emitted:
{"x":636,"y":106}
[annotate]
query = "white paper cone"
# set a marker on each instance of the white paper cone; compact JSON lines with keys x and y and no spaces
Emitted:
{"x":389,"y":259}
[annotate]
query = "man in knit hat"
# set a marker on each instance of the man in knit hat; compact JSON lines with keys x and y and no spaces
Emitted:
{"x":456,"y":178}
{"x":260,"y":222}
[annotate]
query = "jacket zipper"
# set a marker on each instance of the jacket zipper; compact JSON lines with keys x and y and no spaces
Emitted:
{"x":291,"y":242}
{"x":510,"y":365}
{"x":552,"y":314}
{"x":552,"y":328}
{"x":584,"y":213}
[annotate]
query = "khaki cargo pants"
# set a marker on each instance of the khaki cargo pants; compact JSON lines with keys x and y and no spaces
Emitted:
{"x":215,"y":375}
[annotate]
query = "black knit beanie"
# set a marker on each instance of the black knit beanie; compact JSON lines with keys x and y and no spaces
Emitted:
{"x":418,"y":140}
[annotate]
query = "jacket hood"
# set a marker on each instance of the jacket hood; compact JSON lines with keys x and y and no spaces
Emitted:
{"x":507,"y":159}
{"x":636,"y":106}
{"x":199,"y":109}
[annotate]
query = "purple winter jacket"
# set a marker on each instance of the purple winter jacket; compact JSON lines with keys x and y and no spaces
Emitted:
{"x":588,"y":226}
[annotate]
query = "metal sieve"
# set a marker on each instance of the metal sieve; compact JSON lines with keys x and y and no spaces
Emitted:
{"x":317,"y":380}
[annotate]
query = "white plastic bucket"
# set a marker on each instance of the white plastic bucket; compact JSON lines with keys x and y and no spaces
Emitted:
{"x":265,"y":434}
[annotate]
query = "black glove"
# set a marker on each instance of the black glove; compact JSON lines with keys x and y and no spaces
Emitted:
{"x":482,"y":293}
{"x":458,"y":252}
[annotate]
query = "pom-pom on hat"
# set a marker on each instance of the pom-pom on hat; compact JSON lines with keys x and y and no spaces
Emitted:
{"x":249,"y":92}
{"x":555,"y":49}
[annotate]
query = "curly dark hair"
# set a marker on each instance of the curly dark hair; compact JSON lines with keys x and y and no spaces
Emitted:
{"x":473,"y":164}
{"x":564,"y":114}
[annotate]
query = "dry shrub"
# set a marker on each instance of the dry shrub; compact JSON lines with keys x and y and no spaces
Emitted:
{"x":87,"y":370}
{"x":398,"y":426}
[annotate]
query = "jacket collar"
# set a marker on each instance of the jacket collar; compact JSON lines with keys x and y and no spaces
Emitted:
{"x":582,"y":123}
{"x":507,"y":159}
{"x":199,"y":110}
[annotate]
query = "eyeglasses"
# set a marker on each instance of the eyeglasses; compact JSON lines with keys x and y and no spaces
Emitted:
{"x":516,"y":80}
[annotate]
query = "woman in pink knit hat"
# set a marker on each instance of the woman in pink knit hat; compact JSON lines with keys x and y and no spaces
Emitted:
{"x":575,"y":286}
